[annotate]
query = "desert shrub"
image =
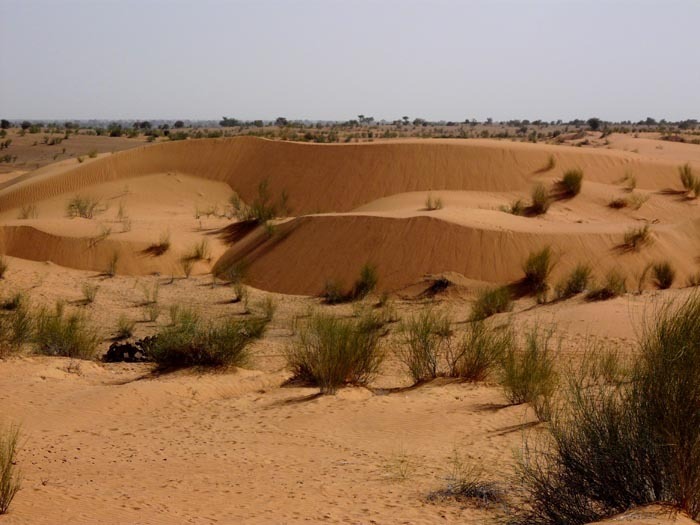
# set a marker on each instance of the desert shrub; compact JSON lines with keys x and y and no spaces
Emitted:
{"x":517,"y":207}
{"x":151,"y":312}
{"x":188,"y":341}
{"x":186,"y":263}
{"x":263,"y":208}
{"x":200,"y":251}
{"x":366,"y":283}
{"x":465,"y":483}
{"x":540,"y":199}
{"x":537,"y":268}
{"x":267,"y":306}
{"x":614,"y":285}
{"x":571,"y":182}
{"x":162,"y":246}
{"x":67,"y":335}
{"x":432,"y":204}
{"x":125,"y":327}
{"x":423,"y":342}
{"x":3,"y":266}
{"x":576,"y":282}
{"x":16,"y":328}
{"x":637,"y":443}
{"x":481,"y":349}
{"x":80,"y":206}
{"x":664,"y":274}
{"x":636,"y":200}
{"x":551,"y":163}
{"x":89,"y":292}
{"x":618,"y":203}
{"x":10,"y":476}
{"x":690,"y":182}
{"x":112,"y":263}
{"x":528,"y":374}
{"x":491,"y":301}
{"x":636,"y":237}
{"x":330,"y":352}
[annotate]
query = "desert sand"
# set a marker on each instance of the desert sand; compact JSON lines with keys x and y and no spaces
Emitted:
{"x":113,"y":443}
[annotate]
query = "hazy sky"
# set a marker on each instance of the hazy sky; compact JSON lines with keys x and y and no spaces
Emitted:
{"x":326,"y":59}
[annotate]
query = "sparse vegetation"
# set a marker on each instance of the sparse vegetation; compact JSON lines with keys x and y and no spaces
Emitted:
{"x":540,"y":199}
{"x":335,"y":293}
{"x":465,"y":483}
{"x":89,"y":292}
{"x":111,"y":270}
{"x":517,"y":207}
{"x":81,"y":206}
{"x":664,"y":274}
{"x":432,"y":204}
{"x":491,"y":301}
{"x":634,"y":444}
{"x":330,"y":352}
{"x":690,"y":182}
{"x":571,"y":182}
{"x":636,"y":237}
{"x":10,"y":476}
{"x":125,"y":327}
{"x":189,"y":341}
{"x":162,"y":246}
{"x":614,"y":285}
{"x":575,"y":283}
{"x":263,"y":208}
{"x":66,"y":335}
{"x":424,"y":339}
{"x":28,"y":211}
{"x":537,"y":268}
{"x":479,"y":352}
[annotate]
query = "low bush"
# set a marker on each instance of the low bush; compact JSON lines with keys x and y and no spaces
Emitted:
{"x":80,"y":206}
{"x":423,"y":344}
{"x":571,"y":182}
{"x":10,"y":476}
{"x":575,"y":283}
{"x":664,"y":274}
{"x":479,"y":352}
{"x":636,"y":237}
{"x":613,"y":448}
{"x":89,"y":292}
{"x":432,"y":204}
{"x":335,"y":293}
{"x":537,"y":268}
{"x":540,"y":199}
{"x":67,"y":335}
{"x":690,"y":182}
{"x":614,"y":285}
{"x":189,"y":342}
{"x":491,"y":301}
{"x":331,"y":352}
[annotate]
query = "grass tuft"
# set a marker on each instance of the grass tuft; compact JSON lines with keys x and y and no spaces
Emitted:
{"x":424,"y":339}
{"x":664,"y":275}
{"x":10,"y":476}
{"x":491,"y":301}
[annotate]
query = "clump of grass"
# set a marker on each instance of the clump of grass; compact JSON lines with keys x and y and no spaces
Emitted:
{"x":150,"y":292}
{"x":151,"y":312}
{"x":125,"y":328}
{"x":3,"y":266}
{"x":432,"y":204}
{"x":636,"y":443}
{"x":424,"y":339}
{"x":537,"y":268}
{"x":331,"y":352}
{"x":10,"y":476}
{"x":335,"y":293}
{"x":614,"y":285}
{"x":466,"y":484}
{"x":551,"y":163}
{"x":89,"y":292}
{"x":576,"y":282}
{"x":491,"y":301}
{"x":636,"y":237}
{"x":691,"y":183}
{"x":571,"y":182}
{"x":693,"y":280}
{"x":200,"y":251}
{"x":664,"y":274}
{"x":16,"y":328}
{"x":618,"y":203}
{"x":189,"y":341}
{"x":528,"y":374}
{"x":67,"y":335}
{"x":479,"y":352}
{"x":540,"y":199}
{"x":186,"y":263}
{"x":263,"y":208}
{"x":162,"y":246}
{"x":81,"y":206}
{"x":111,"y":270}
{"x":28,"y":211}
{"x":517,"y":207}
{"x":636,"y":200}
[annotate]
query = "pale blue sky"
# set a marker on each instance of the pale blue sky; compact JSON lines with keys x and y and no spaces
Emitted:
{"x":326,"y":59}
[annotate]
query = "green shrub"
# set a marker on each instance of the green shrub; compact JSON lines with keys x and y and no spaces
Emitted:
{"x":10,"y":476}
{"x":80,"y":206}
{"x":263,"y":208}
{"x":537,"y":268}
{"x":481,"y":350}
{"x":613,"y":286}
{"x":423,"y":343}
{"x":188,"y":341}
{"x":690,"y":182}
{"x":366,"y":283}
{"x":576,"y":282}
{"x":571,"y":182}
{"x":517,"y":207}
{"x":60,"y":334}
{"x":540,"y":199}
{"x":528,"y":374}
{"x":331,"y":352}
{"x":664,"y":275}
{"x":490,"y":302}
{"x":637,"y":443}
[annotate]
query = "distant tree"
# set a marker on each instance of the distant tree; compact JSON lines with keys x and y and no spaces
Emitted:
{"x":226,"y":122}
{"x":405,"y":119}
{"x":420,"y":122}
{"x":4,"y":124}
{"x":164,"y":126}
{"x":650,"y":122}
{"x":594,"y":123}
{"x":26,"y":124}
{"x":145,"y":125}
{"x":180,"y":124}
{"x":115,"y":129}
{"x":258,"y":123}
{"x":281,"y":121}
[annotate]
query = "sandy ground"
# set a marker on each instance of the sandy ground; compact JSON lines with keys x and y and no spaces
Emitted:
{"x":112,"y":443}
